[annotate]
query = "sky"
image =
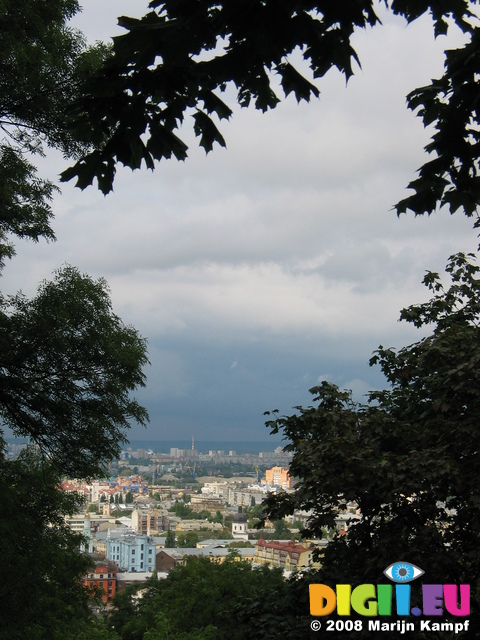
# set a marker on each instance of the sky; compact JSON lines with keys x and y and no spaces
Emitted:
{"x":259,"y":270}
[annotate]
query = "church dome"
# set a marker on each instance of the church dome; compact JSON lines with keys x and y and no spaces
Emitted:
{"x":240,"y":516}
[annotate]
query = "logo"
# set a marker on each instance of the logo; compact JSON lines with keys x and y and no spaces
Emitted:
{"x":373,"y":600}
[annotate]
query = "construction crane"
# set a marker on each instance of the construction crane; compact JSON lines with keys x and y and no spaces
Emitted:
{"x":255,"y":466}
{"x":191,"y":469}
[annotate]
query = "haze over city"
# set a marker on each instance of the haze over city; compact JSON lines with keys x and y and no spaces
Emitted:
{"x":259,"y":270}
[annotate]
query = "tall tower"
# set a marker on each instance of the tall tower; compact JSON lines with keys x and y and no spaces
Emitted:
{"x":193,"y":443}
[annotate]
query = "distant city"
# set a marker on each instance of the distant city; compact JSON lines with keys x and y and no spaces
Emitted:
{"x":204,"y":446}
{"x":161,"y":502}
{"x":238,"y":448}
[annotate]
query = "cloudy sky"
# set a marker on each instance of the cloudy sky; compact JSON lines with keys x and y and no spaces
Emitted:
{"x":257,"y":271}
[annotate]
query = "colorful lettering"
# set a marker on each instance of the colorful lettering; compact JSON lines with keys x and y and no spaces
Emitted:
{"x":451,"y":600}
{"x":376,"y":600}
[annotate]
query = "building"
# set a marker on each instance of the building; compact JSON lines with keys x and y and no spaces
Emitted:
{"x":131,"y":551}
{"x":102,"y":579}
{"x":167,"y":559}
{"x":202,"y":502}
{"x":287,"y":555}
{"x":150,"y":521}
{"x":244,"y":496}
{"x":239,"y":525}
{"x":216,"y":490}
{"x":278,"y":477}
{"x":197,"y":525}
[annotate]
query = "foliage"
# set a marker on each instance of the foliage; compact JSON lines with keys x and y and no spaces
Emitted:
{"x":67,"y":368}
{"x":409,"y":458}
{"x":181,"y":510}
{"x":170,"y":539}
{"x":93,"y":629}
{"x":188,"y":539}
{"x":67,"y":363}
{"x":451,"y":177}
{"x":43,"y":63}
{"x":281,"y":530}
{"x":24,"y":202}
{"x":201,"y":599}
{"x":182,"y":56}
{"x":41,"y":562}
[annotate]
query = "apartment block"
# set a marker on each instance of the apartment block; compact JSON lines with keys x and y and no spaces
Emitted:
{"x":102,"y":578}
{"x":278,"y":477}
{"x":131,"y":551}
{"x":287,"y":555}
{"x":150,"y":521}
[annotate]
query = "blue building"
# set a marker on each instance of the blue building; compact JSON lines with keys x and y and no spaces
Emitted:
{"x":131,"y":551}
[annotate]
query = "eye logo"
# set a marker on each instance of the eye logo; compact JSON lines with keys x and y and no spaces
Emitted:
{"x":402,"y":572}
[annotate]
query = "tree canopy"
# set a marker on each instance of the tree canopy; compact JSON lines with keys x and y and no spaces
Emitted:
{"x":68,"y":365}
{"x":43,"y":63}
{"x":408,"y":460}
{"x":41,"y":596}
{"x":210,"y":601}
{"x":67,"y":369}
{"x":183,"y":56}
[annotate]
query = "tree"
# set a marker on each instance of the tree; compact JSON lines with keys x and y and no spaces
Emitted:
{"x":188,"y":539}
{"x":170,"y":539}
{"x":451,"y":178}
{"x":181,"y":56}
{"x":41,"y":561}
{"x":68,"y":364}
{"x":408,"y":459}
{"x":67,"y":368}
{"x":204,"y":599}
{"x":281,"y":529}
{"x":43,"y":63}
{"x":181,"y":510}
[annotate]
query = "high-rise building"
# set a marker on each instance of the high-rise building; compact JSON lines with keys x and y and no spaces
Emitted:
{"x":278,"y":477}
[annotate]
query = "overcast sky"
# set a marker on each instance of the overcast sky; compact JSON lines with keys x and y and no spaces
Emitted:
{"x":257,"y":271}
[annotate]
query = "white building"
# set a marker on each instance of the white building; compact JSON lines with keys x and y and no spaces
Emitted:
{"x":216,"y":490}
{"x":240,"y":496}
{"x":239,"y":525}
